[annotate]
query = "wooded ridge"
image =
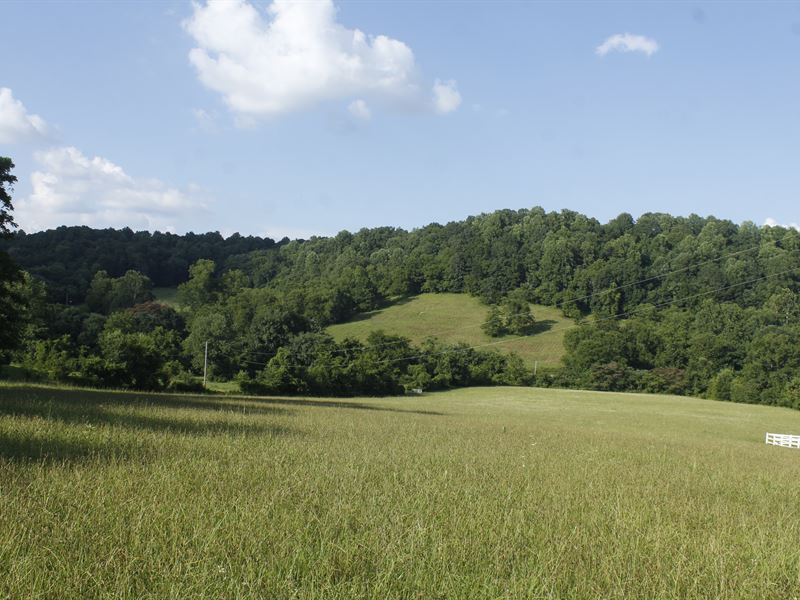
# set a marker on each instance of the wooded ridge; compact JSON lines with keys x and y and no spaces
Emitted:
{"x":687,"y":305}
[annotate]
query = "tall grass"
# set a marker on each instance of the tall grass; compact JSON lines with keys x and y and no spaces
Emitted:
{"x":477,"y":493}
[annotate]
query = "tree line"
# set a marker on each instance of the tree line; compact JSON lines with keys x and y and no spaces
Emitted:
{"x":67,"y":258}
{"x":691,"y":305}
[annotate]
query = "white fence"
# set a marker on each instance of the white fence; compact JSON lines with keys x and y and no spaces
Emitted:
{"x":782,"y":439}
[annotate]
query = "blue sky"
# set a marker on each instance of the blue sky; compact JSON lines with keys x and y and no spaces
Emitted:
{"x":284,"y":120}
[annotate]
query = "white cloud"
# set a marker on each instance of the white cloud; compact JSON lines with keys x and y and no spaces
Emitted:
{"x":16,"y":123}
{"x":445,"y":96}
{"x":628,"y":42}
{"x":360,"y":110}
{"x":73,"y":189}
{"x":206,"y":121}
{"x":297,"y":57}
{"x":202,"y":116}
{"x":770,"y":222}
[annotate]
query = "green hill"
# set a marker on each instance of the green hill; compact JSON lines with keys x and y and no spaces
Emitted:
{"x":458,"y":318}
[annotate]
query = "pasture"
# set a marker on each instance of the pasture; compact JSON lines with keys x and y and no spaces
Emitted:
{"x":475,"y":493}
{"x":458,"y":318}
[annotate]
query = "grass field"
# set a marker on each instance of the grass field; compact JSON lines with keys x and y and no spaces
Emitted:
{"x":167,"y":295}
{"x":478,"y":493}
{"x":458,"y":318}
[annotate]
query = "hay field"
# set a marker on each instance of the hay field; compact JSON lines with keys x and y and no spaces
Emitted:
{"x":475,"y":493}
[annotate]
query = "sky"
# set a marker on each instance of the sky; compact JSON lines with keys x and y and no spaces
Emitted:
{"x":306,"y":118}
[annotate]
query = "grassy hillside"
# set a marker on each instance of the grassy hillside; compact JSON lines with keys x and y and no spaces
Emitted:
{"x":167,"y":295}
{"x":458,"y":318}
{"x":479,"y":493}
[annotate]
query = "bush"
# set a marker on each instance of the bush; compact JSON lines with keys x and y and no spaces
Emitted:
{"x":54,"y":358}
{"x":665,"y":381}
{"x":744,"y":390}
{"x":611,"y":377}
{"x":720,"y":386}
{"x":249,"y":385}
{"x":184,"y":381}
{"x":791,"y":393}
{"x":15,"y":373}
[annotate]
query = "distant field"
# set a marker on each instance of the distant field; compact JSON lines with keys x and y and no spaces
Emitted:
{"x":477,"y":493}
{"x":458,"y":318}
{"x":166,"y":295}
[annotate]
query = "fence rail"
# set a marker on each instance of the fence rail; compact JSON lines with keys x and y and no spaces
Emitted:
{"x":782,"y":439}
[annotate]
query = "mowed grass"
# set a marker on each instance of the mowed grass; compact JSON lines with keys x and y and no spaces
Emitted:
{"x":478,"y":493}
{"x":458,"y":318}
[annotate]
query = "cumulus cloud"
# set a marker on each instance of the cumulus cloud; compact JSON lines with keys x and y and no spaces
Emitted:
{"x":73,"y":189}
{"x":205,"y":121}
{"x":628,"y":42}
{"x":445,"y":96}
{"x":16,"y":123}
{"x":297,"y":56}
{"x":360,"y":110}
{"x":770,"y":222}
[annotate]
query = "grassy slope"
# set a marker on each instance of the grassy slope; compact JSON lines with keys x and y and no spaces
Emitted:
{"x":458,"y":318}
{"x":167,"y":295}
{"x":478,"y":493}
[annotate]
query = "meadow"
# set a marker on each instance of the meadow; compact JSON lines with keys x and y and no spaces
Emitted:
{"x":475,"y":493}
{"x":458,"y":318}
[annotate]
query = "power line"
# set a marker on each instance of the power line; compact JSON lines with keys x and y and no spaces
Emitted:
{"x":618,"y":315}
{"x":593,"y":294}
{"x":509,"y":340}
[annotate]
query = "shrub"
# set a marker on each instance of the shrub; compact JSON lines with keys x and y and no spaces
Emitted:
{"x":612,"y":376}
{"x":744,"y":390}
{"x":720,"y":386}
{"x":665,"y":381}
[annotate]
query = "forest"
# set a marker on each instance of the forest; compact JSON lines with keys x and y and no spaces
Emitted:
{"x":667,"y":304}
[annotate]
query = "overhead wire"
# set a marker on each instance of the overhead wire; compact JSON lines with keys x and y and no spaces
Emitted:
{"x":573,"y":300}
{"x":561,"y":329}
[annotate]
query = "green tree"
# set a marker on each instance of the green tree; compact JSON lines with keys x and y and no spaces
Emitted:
{"x":134,"y":360}
{"x":107,"y":294}
{"x":791,"y":393}
{"x":213,"y":325}
{"x":98,"y":298}
{"x":129,"y":290}
{"x":519,"y":319}
{"x":7,"y":181}
{"x":513,"y":316}
{"x":785,"y":305}
{"x":720,"y":386}
{"x":494,"y":325}
{"x":11,"y":303}
{"x":201,"y":288}
{"x":55,"y":358}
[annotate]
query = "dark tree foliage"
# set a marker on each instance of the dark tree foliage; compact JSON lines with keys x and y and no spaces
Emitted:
{"x":667,"y":304}
{"x":7,"y":181}
{"x":720,"y":350}
{"x":313,"y":363}
{"x":11,"y":301}
{"x":67,"y":258}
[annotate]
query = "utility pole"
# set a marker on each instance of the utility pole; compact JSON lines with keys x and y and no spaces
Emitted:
{"x":205,"y":365}
{"x":535,"y":367}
